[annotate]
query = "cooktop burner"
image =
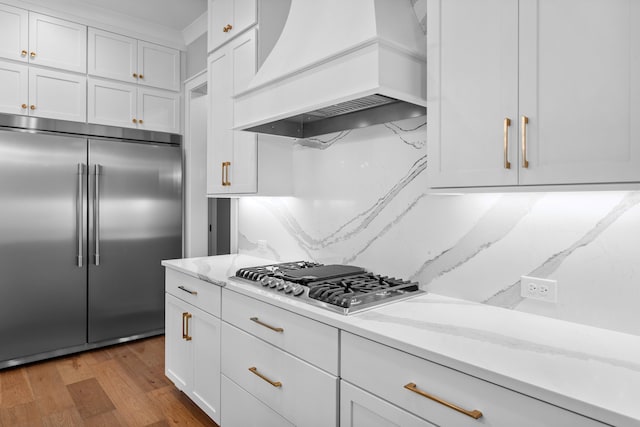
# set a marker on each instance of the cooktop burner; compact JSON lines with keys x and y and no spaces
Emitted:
{"x":342,"y":288}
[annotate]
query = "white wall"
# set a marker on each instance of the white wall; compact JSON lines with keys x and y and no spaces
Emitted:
{"x":362,"y":199}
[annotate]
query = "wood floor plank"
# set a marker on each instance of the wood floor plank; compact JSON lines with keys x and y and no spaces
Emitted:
{"x":73,"y":369}
{"x":179,"y":410}
{"x":150,"y":351}
{"x":50,"y":393}
{"x":107,"y":419}
{"x":67,"y":418}
{"x":125,"y":395}
{"x":146,"y":377}
{"x":90,"y":399}
{"x":22,"y":415}
{"x":15,"y":388}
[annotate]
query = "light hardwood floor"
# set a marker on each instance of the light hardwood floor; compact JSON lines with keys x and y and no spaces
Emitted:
{"x":123,"y":385}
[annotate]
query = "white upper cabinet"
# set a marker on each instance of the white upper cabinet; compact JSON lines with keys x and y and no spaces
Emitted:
{"x":14,"y":33}
{"x":57,"y":43}
{"x":117,"y":57}
{"x":533,"y":92}
{"x":14,"y":88}
{"x":127,"y":105}
{"x":228,"y":19}
{"x":57,"y":95}
{"x":158,"y":66}
{"x":112,"y":56}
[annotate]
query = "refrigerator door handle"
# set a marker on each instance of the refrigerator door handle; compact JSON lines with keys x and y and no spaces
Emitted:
{"x":79,"y":210}
{"x":96,"y":214}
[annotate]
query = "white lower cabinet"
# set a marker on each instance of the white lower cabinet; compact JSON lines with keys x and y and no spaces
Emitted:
{"x":121,"y":104}
{"x":359,"y":408}
{"x":441,"y":395}
{"x":192,"y":342}
{"x":241,"y":409}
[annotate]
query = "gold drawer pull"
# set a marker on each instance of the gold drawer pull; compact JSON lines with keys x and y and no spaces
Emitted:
{"x":182,"y":288}
{"x":33,"y":54}
{"x":135,"y":75}
{"x":227,"y":28}
{"x":475,"y":414}
{"x":141,"y":76}
{"x":23,"y":53}
{"x":507,"y":123}
{"x":185,"y":326}
{"x":24,"y":106}
{"x":273,"y":328}
{"x":273,"y":383}
{"x":134,"y":120}
{"x":33,"y":107}
{"x":525,"y":121}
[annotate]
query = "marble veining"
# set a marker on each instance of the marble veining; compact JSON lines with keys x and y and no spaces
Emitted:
{"x":363,"y":200}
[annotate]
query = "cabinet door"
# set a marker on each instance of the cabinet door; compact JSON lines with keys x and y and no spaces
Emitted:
{"x":57,"y":95}
{"x":111,"y":103}
{"x":580,"y":89}
{"x":14,"y":33}
{"x":112,"y":56}
{"x":57,"y":43}
{"x":158,"y":66}
{"x":243,"y":168}
{"x":205,"y":389}
{"x":158,"y":110}
{"x":472,"y":88}
{"x":361,"y":409}
{"x":178,"y":351}
{"x":14,"y":88}
{"x":229,"y":18}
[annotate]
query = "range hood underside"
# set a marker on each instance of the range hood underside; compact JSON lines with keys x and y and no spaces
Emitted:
{"x":358,"y":113}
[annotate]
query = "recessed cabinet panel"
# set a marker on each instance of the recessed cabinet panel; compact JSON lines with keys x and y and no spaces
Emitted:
{"x":57,"y":43}
{"x":472,"y":89}
{"x":158,"y":66}
{"x":580,"y":89}
{"x":112,"y":56}
{"x":14,"y":33}
{"x":57,"y":95}
{"x":111,"y":103}
{"x":158,"y":110}
{"x":14,"y":88}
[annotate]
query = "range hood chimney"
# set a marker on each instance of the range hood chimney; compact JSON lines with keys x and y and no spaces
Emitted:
{"x":338,"y":64}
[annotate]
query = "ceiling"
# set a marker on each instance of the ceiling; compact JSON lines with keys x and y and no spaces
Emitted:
{"x":175,"y":14}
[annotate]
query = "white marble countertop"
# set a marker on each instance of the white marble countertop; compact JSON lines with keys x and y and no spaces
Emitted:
{"x":592,"y":371}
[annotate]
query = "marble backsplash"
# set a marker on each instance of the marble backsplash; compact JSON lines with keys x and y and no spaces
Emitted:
{"x":361,"y":198}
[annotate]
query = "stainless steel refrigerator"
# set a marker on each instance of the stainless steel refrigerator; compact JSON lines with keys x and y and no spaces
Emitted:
{"x":84,"y":224}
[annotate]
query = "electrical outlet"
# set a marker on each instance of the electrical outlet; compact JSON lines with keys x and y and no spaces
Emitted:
{"x":539,"y":289}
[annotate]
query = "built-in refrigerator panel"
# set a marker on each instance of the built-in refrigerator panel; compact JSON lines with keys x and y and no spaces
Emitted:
{"x":135,"y":217}
{"x":42,"y":221}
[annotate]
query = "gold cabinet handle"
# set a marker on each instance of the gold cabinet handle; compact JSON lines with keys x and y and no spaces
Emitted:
{"x":24,"y":106}
{"x":141,"y":76}
{"x":185,"y":326}
{"x":141,"y":121}
{"x":33,"y":107}
{"x":227,"y":28}
{"x":273,"y":328}
{"x":189,"y":291}
{"x":23,"y":53}
{"x":525,"y":121}
{"x":475,"y":414}
{"x":33,"y":54}
{"x":225,"y":174}
{"x":273,"y":383}
{"x":507,"y":123}
{"x":134,"y":120}
{"x":135,"y":75}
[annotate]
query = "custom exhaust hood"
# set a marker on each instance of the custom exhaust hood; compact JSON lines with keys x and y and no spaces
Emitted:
{"x":338,"y":65}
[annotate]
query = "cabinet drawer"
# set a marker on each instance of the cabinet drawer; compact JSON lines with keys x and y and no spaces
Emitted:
{"x":300,"y":392}
{"x":312,"y":341}
{"x":204,"y":295}
{"x":385,"y":371}
{"x":240,"y":409}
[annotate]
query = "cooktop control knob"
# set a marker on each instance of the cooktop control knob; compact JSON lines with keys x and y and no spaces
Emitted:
{"x":297,"y":290}
{"x":265,"y":281}
{"x":276,"y":283}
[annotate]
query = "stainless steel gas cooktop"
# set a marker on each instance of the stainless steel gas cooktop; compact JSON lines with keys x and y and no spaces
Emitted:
{"x":341,"y":288}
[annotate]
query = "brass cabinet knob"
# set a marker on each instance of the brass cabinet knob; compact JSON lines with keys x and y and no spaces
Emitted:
{"x":24,"y":106}
{"x":33,"y":54}
{"x":23,"y":53}
{"x":140,"y":121}
{"x":135,"y":75}
{"x":141,"y":76}
{"x":33,"y":107}
{"x":134,"y":121}
{"x":227,"y":28}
